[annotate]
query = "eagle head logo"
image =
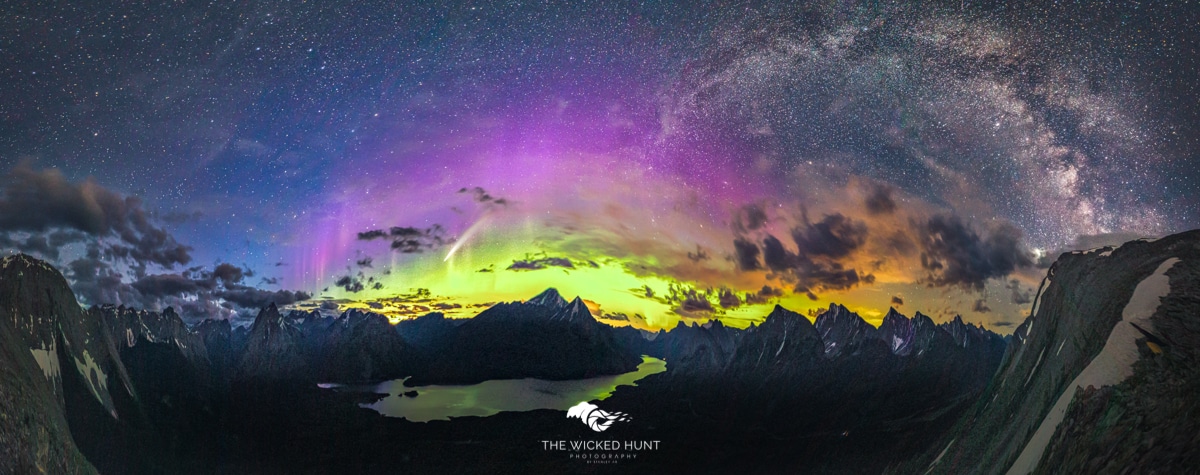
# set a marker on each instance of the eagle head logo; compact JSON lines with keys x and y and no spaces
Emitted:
{"x":596,"y":418}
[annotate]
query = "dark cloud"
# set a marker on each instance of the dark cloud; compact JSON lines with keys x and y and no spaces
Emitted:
{"x":955,"y":254}
{"x":481,"y":196}
{"x":1020,"y":296}
{"x":163,"y":285}
{"x":417,"y":301}
{"x":489,"y":268}
{"x":195,"y":292}
{"x":616,"y":317}
{"x":252,"y":298}
{"x":531,"y":263}
{"x":897,"y":301}
{"x":120,"y":239}
{"x":418,"y":295}
{"x":42,"y":202}
{"x":835,"y":236}
{"x":981,"y":306}
{"x":409,"y":240}
{"x":746,"y":254}
{"x":764,"y":295}
{"x":329,"y":305}
{"x":364,"y":262}
{"x":694,"y":303}
{"x":727,"y":299}
{"x":351,"y":283}
{"x":699,"y":255}
{"x":229,"y":273}
{"x":775,"y":256}
{"x":690,"y":302}
{"x":880,"y":201}
{"x":372,"y":234}
{"x":817,"y":266}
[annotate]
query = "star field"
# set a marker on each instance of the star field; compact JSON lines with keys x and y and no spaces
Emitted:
{"x":634,"y":135}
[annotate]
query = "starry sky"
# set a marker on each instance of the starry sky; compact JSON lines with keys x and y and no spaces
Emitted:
{"x":663,"y":161}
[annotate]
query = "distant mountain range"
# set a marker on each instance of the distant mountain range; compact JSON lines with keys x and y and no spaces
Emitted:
{"x":132,"y":391}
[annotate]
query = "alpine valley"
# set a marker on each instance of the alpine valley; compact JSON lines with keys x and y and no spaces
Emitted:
{"x":1099,"y":378}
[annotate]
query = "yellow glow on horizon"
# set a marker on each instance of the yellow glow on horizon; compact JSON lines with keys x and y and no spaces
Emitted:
{"x":474,"y":274}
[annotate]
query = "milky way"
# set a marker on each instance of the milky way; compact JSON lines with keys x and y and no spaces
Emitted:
{"x":661,"y":160}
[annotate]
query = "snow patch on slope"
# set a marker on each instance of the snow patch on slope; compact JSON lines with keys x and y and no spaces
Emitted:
{"x":97,"y":380}
{"x":939,"y":457}
{"x":47,"y":359}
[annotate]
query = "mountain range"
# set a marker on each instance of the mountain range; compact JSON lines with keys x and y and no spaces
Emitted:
{"x":1099,"y":377}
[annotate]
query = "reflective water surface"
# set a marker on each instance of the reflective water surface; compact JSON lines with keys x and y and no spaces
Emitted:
{"x":436,"y":402}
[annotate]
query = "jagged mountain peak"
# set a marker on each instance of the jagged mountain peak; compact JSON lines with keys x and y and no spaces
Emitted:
{"x":270,"y":322}
{"x":549,"y":298}
{"x":922,"y":318}
{"x":964,"y":333}
{"x":782,"y":318}
{"x":838,"y":314}
{"x":893,"y":313}
{"x":842,"y":330}
{"x":898,"y":332}
{"x":574,"y":311}
{"x":780,"y":311}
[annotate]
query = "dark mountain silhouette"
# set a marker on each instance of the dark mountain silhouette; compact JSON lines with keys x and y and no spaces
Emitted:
{"x":120,"y":390}
{"x":545,"y":338}
{"x":843,"y":331}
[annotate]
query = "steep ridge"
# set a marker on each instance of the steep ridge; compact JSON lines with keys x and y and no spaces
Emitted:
{"x":34,"y":434}
{"x":843,"y":331}
{"x":785,"y":342}
{"x":1081,"y":388}
{"x":121,"y":379}
{"x":897,"y":331}
{"x":274,"y":350}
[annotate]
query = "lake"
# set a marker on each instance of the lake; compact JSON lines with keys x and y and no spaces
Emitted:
{"x":436,"y":402}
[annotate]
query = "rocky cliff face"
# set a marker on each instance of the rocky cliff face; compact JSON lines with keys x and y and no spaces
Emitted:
{"x":34,"y":434}
{"x":843,"y":331}
{"x":1102,"y":375}
{"x":274,"y":350}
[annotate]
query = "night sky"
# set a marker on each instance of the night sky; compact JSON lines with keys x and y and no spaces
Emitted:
{"x":662,"y":161}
